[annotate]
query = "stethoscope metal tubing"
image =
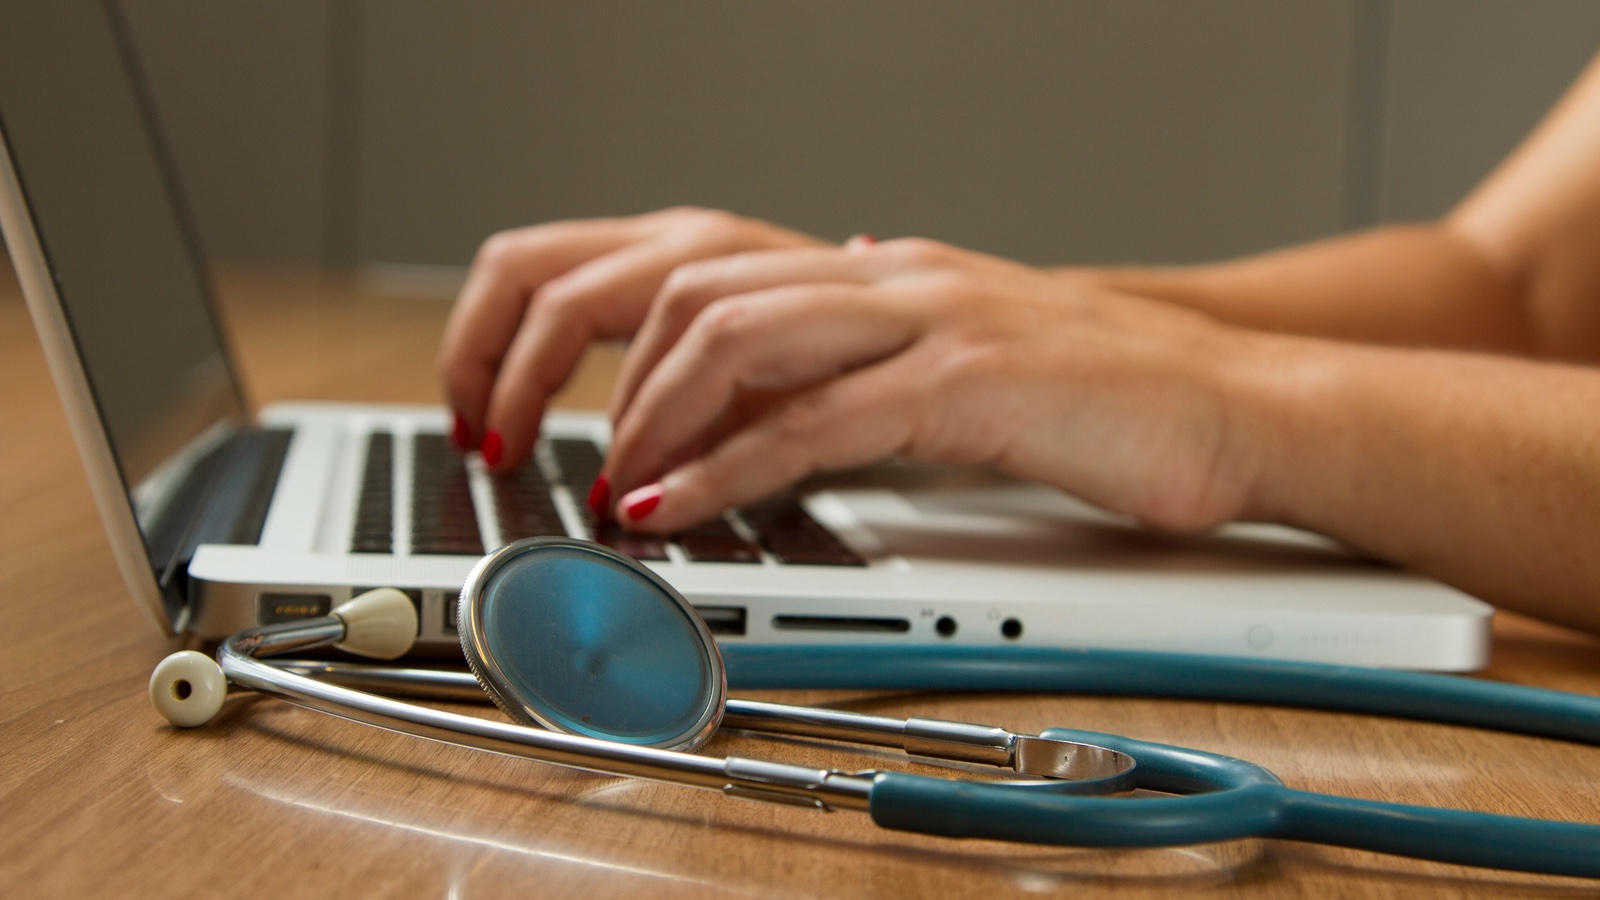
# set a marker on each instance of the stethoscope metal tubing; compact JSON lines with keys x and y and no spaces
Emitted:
{"x":937,"y":739}
{"x":752,"y":779}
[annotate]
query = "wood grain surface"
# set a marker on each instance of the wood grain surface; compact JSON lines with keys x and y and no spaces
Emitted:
{"x":100,"y":798}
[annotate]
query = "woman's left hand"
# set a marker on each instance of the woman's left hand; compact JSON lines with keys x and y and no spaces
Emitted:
{"x":754,"y":370}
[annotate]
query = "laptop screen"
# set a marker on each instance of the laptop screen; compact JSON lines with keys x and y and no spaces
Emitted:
{"x":121,"y":252}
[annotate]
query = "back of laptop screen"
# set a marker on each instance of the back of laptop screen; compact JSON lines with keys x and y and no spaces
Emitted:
{"x":104,"y":204}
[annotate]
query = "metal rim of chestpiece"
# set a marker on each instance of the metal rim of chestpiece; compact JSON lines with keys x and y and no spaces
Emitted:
{"x":473,"y":630}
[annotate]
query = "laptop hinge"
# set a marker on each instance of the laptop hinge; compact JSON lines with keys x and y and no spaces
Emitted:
{"x":224,"y":500}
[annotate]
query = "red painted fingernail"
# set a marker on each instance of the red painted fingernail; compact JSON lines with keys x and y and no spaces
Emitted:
{"x":461,"y":435}
{"x":642,"y":502}
{"x":600,"y":498}
{"x":492,"y":448}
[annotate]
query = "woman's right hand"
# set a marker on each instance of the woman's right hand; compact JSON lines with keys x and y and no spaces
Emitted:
{"x":536,"y":297}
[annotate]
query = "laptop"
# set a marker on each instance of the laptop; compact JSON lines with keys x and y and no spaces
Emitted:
{"x":222,"y":519}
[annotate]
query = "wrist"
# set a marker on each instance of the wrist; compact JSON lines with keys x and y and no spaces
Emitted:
{"x":1278,"y":394}
{"x":1156,"y":282}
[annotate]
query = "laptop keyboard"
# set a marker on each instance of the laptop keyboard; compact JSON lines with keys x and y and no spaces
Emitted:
{"x":374,"y":532}
{"x":443,"y":519}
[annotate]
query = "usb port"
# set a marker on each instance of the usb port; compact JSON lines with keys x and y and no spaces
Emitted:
{"x":723,"y":619}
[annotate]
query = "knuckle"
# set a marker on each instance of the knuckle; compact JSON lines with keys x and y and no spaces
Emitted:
{"x":922,"y":251}
{"x":715,"y":229}
{"x":945,"y":295}
{"x":557,"y":300}
{"x":683,"y":286}
{"x":972,"y":361}
{"x":801,"y":417}
{"x":564,"y":303}
{"x":724,"y":325}
{"x":499,"y":249}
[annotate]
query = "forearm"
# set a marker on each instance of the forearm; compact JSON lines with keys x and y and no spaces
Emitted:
{"x":1481,"y":471}
{"x":1422,"y":285}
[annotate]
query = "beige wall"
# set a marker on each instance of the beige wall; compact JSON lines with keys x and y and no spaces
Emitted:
{"x":403,"y":130}
{"x":242,"y":90}
{"x":1467,"y":79}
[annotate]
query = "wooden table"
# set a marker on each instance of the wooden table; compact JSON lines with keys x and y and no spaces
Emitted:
{"x":99,"y":797}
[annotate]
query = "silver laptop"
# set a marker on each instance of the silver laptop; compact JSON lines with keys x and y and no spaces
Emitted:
{"x":221,"y":520}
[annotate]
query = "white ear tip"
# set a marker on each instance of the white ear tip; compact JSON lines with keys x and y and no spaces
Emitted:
{"x":188,"y":688}
{"x":381,"y":624}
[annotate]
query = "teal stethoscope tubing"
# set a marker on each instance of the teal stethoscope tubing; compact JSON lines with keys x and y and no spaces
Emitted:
{"x":1221,"y":798}
{"x":1226,"y":799}
{"x":1445,"y":699}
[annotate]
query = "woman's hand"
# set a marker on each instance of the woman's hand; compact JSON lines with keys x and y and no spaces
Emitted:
{"x":753,"y":370}
{"x":536,"y":297}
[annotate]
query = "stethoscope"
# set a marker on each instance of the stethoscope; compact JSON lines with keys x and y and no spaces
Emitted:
{"x":605,"y":667}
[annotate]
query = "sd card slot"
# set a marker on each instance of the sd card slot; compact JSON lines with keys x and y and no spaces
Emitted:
{"x":871,"y":624}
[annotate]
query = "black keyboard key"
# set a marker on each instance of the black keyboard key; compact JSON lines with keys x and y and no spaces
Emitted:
{"x":791,"y":535}
{"x":443,"y":518}
{"x":515,"y":529}
{"x":579,"y":461}
{"x":523,"y":507}
{"x":716,"y":541}
{"x":638,"y":546}
{"x":448,"y":547}
{"x":796,"y":555}
{"x":706,"y":549}
{"x":374,"y":527}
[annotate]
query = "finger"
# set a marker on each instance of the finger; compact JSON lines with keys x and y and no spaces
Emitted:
{"x":778,"y":339}
{"x":692,"y":287}
{"x":860,"y":418}
{"x":605,"y":297}
{"x":509,"y":268}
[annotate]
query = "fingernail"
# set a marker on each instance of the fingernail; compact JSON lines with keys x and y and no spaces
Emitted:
{"x":461,"y":435}
{"x":600,"y":498}
{"x":859,"y":241}
{"x":492,"y":448}
{"x":642,"y":502}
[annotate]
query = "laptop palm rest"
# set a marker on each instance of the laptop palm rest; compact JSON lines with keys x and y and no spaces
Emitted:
{"x":975,"y":516}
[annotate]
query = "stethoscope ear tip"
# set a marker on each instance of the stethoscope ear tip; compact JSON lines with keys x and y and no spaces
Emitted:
{"x":187,"y":688}
{"x":380,"y":624}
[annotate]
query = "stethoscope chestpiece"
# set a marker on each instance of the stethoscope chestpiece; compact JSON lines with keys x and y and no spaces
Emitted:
{"x":578,"y":638}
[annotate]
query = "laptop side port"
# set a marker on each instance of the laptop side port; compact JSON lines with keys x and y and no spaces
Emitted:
{"x":842,"y":623}
{"x":272,"y":608}
{"x":451,"y":610}
{"x":723,"y":620}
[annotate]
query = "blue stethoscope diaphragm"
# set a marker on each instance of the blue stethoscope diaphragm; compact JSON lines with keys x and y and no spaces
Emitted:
{"x":580,"y":639}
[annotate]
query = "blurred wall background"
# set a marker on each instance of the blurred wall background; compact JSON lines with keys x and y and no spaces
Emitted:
{"x":403,"y":131}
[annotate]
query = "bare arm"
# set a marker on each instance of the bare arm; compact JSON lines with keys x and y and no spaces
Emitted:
{"x":1515,"y":268}
{"x":1481,"y":471}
